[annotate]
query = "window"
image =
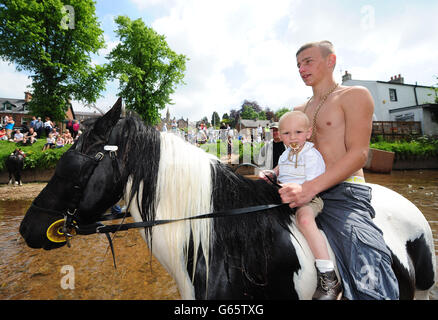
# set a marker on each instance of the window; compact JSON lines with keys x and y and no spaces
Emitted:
{"x":392,"y":95}
{"x":7,"y":106}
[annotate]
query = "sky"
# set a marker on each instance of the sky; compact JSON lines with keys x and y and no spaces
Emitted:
{"x":245,"y":49}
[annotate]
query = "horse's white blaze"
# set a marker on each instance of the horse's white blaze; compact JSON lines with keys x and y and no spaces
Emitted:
{"x":184,"y":189}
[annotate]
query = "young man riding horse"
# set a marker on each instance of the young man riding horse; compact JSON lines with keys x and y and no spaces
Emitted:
{"x":342,"y":120}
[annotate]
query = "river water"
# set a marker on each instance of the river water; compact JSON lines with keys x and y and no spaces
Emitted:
{"x":86,"y":271}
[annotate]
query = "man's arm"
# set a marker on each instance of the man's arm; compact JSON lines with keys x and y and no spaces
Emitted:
{"x":358,"y":107}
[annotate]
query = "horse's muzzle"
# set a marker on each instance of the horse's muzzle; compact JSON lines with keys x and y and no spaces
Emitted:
{"x":33,"y":229}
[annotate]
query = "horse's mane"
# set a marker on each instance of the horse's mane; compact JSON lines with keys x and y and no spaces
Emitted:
{"x":251,"y":236}
{"x":177,"y":180}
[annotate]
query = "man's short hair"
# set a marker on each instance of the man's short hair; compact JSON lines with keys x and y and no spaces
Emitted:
{"x":325,"y":46}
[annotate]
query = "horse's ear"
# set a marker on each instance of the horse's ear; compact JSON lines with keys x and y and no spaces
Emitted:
{"x":109,"y":119}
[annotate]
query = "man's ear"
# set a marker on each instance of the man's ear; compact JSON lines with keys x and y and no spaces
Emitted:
{"x":331,"y":60}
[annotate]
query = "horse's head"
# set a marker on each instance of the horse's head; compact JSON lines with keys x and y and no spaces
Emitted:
{"x":87,"y":181}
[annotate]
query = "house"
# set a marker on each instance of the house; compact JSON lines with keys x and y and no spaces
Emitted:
{"x":395,"y":100}
{"x":17,"y":109}
{"x":253,"y":124}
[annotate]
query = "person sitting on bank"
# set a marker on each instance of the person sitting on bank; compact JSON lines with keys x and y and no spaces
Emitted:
{"x":50,"y":142}
{"x":30,"y":137}
{"x":18,"y":136}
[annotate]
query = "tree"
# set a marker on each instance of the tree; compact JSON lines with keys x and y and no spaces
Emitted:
{"x":148,"y":70}
{"x":215,"y":120}
{"x":53,"y":40}
{"x":253,"y":104}
{"x":248,"y":113}
{"x":280,"y":112}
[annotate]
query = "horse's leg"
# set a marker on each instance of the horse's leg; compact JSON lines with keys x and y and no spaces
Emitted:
{"x":423,"y":259}
{"x":18,"y":177}
{"x":10,"y":177}
{"x":405,"y":277}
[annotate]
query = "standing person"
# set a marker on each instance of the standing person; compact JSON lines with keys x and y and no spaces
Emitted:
{"x":48,"y":126}
{"x":69,"y":125}
{"x":342,"y":121}
{"x":272,"y":150}
{"x":38,"y":127}
{"x":9,"y":126}
{"x":76,"y":127}
{"x":33,"y":122}
{"x":229,"y":147}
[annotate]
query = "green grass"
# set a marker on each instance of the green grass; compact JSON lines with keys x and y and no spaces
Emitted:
{"x":422,"y":148}
{"x":219,"y":149}
{"x":35,"y":157}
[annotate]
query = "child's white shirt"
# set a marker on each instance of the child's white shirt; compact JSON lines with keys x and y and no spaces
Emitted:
{"x":310,"y":165}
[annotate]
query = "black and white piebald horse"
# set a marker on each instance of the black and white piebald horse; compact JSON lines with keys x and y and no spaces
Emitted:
{"x":260,"y":255}
{"x":14,"y":165}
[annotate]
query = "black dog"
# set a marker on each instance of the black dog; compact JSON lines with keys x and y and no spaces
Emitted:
{"x":14,"y":164}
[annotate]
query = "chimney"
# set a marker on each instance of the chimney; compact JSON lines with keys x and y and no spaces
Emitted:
{"x":397,"y":79}
{"x":346,"y":77}
{"x":27,"y":96}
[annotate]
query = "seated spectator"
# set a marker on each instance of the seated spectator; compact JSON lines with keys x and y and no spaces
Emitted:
{"x":30,"y":137}
{"x":59,"y":142}
{"x":18,"y":136}
{"x":50,"y":142}
{"x":54,"y":133}
{"x":3,"y":134}
{"x":68,"y":139}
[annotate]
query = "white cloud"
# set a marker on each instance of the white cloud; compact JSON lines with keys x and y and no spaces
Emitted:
{"x":13,"y":84}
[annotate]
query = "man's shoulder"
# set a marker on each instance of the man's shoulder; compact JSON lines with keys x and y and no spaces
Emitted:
{"x":299,"y":107}
{"x":353,"y":91}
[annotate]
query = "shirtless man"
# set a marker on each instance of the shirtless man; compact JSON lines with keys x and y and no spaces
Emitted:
{"x":342,"y":129}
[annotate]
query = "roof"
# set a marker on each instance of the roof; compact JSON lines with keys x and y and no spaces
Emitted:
{"x":420,"y":106}
{"x":254,"y":123}
{"x":17,"y":105}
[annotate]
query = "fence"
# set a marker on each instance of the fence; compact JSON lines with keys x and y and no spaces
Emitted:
{"x":396,"y":130}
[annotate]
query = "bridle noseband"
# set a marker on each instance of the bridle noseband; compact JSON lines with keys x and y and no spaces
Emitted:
{"x":68,"y":226}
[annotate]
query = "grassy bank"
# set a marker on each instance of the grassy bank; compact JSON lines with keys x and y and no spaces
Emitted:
{"x":35,"y":157}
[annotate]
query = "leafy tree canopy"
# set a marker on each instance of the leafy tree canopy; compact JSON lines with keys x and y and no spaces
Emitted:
{"x":148,"y":70}
{"x":53,"y":40}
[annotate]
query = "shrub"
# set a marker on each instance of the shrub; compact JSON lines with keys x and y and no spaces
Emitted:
{"x":35,"y":157}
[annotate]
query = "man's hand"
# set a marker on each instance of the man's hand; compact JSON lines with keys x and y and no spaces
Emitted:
{"x":295,"y":194}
